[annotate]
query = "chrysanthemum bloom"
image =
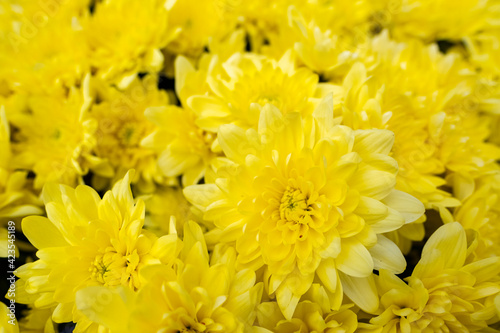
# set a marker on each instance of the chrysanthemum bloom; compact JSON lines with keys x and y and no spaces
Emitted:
{"x":55,"y":139}
{"x":184,"y":149}
{"x":306,"y":198}
{"x":242,"y":83}
{"x":437,"y":125}
{"x":308,"y":317}
{"x":198,"y":23}
{"x":87,"y":241}
{"x":480,"y":211}
{"x":126,"y":38}
{"x":443,"y":19}
{"x":198,"y":295}
{"x":445,"y":293}
{"x":121,"y":126}
{"x":35,"y":63}
{"x":324,"y":38}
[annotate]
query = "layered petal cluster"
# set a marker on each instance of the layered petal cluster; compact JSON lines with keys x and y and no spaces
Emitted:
{"x":122,"y":44}
{"x":308,"y":317}
{"x":447,"y":292}
{"x":434,"y":20}
{"x":121,"y":126}
{"x":242,"y":83}
{"x":54,"y":137}
{"x":304,"y":199}
{"x":87,"y":241}
{"x":198,"y":23}
{"x":31,"y":61}
{"x":198,"y":295}
{"x":436,"y":116}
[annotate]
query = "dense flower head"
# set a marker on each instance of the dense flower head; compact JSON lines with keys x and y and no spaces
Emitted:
{"x":307,"y":201}
{"x":197,"y":295}
{"x":121,"y":127}
{"x":16,"y":199}
{"x":86,"y":241}
{"x":54,"y":138}
{"x":30,"y":26}
{"x":308,"y":317}
{"x":436,"y":117}
{"x":431,"y":20}
{"x":244,"y":82}
{"x":447,"y":292}
{"x":118,"y":54}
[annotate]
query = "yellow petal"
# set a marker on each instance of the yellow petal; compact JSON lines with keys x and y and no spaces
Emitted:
{"x":42,"y":233}
{"x":362,"y":291}
{"x":354,"y":259}
{"x":387,"y":255}
{"x":108,"y":307}
{"x":446,"y":248}
{"x":327,"y":273}
{"x":373,"y":183}
{"x":410,"y":207}
{"x":373,"y":141}
{"x":234,"y":143}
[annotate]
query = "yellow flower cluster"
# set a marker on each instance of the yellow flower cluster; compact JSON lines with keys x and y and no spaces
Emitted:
{"x":250,"y":166}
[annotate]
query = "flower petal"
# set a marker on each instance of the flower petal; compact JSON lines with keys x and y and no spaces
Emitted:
{"x":42,"y":233}
{"x":387,"y":255}
{"x":354,"y":259}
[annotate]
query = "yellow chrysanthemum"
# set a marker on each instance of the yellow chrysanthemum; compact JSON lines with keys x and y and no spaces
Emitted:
{"x":432,"y":20}
{"x":198,"y":22}
{"x":54,"y":137}
{"x":197,"y":296}
{"x":183,"y":147}
{"x":244,"y":82}
{"x":308,"y":317}
{"x":121,"y":128}
{"x":34,"y":62}
{"x":87,"y":241}
{"x":305,"y":198}
{"x":434,"y":114}
{"x":126,"y":38}
{"x":324,"y":38}
{"x":322,"y":35}
{"x":446,"y":292}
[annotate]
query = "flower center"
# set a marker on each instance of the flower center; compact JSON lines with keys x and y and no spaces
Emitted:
{"x":113,"y":269}
{"x":269,"y":99}
{"x":204,"y":139}
{"x":294,"y":206}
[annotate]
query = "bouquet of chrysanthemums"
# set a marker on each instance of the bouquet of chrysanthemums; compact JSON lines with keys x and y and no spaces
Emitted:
{"x":250,"y":166}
